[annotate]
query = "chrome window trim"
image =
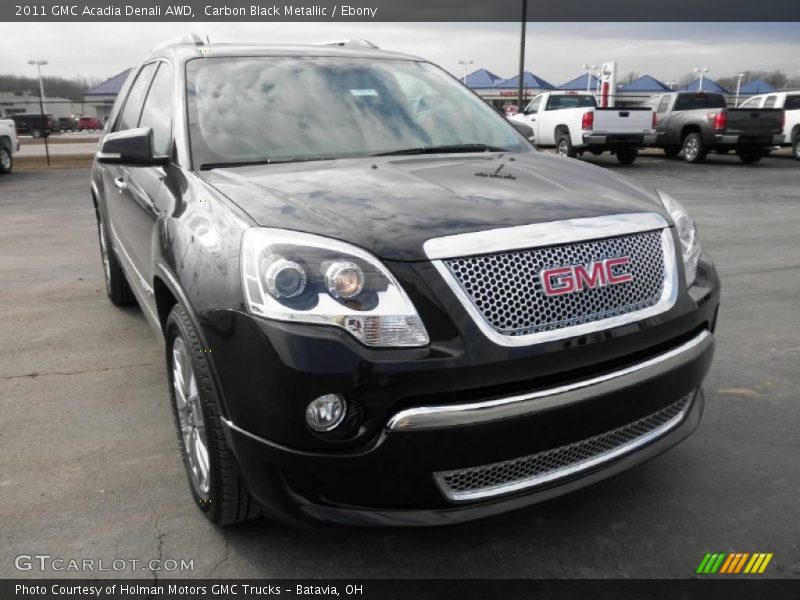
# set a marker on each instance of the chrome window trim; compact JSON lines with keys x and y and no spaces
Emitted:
{"x":540,"y":235}
{"x":432,"y":417}
{"x":560,"y":234}
{"x":574,"y":469}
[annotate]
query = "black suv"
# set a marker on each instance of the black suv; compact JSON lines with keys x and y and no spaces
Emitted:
{"x":35,"y":125}
{"x":380,"y":304}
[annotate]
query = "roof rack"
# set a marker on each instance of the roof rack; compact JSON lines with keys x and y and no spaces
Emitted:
{"x":186,"y":38}
{"x":351,"y":43}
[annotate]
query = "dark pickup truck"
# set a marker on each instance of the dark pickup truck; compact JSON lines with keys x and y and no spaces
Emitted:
{"x":693,"y":123}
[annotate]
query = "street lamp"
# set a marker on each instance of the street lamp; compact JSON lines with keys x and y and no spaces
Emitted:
{"x":589,"y":70}
{"x":464,"y":62}
{"x":738,"y":87}
{"x":701,"y":70}
{"x":39,"y":64}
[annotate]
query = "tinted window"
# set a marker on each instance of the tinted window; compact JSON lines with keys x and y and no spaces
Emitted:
{"x":770,"y":102}
{"x":129,"y":118}
{"x":698,"y":101}
{"x":664,"y":104}
{"x":582,"y":101}
{"x":157,"y":111}
{"x":289,"y":108}
{"x":792,"y":102}
{"x":751,"y":103}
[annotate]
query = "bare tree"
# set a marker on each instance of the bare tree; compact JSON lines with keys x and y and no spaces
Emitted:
{"x":630,"y":77}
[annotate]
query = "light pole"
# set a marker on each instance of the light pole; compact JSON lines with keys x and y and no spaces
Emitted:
{"x":738,"y":87}
{"x":464,"y":63}
{"x":671,"y":84}
{"x":521,"y":81}
{"x":701,"y":70}
{"x":589,"y":70}
{"x":39,"y":64}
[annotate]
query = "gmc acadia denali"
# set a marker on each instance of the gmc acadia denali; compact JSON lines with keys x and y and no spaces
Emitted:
{"x":380,"y":304}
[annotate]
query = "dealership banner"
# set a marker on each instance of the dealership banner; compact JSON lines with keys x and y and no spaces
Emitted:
{"x":384,"y":589}
{"x":398,"y":10}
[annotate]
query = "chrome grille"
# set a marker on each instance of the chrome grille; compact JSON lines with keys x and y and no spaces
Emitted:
{"x":543,"y":467}
{"x":506,"y":289}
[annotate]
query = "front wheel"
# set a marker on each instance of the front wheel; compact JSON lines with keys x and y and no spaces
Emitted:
{"x":214,"y":479}
{"x":117,"y":288}
{"x":750,"y":156}
{"x":626,"y":156}
{"x":796,"y":147}
{"x":693,"y":149}
{"x":565,"y":147}
{"x":37,"y":133}
{"x":6,"y":162}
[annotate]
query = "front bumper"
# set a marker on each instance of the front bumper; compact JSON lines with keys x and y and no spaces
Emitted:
{"x":396,"y":479}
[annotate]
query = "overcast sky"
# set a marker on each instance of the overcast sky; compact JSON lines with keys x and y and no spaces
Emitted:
{"x":555,"y":51}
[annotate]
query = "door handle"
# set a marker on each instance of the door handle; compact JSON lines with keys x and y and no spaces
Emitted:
{"x":121,"y":185}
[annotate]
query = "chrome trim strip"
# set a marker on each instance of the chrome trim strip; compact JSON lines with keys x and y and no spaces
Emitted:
{"x":566,"y":471}
{"x":432,"y":417}
{"x":668,"y":296}
{"x":541,"y":234}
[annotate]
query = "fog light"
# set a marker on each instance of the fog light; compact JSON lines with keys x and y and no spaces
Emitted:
{"x":326,"y":412}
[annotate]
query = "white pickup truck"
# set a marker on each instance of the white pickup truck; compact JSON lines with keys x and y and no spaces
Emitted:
{"x":790,"y":103}
{"x":8,"y":144}
{"x":573,"y":123}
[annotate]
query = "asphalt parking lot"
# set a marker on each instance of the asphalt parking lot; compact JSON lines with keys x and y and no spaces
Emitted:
{"x":90,"y":467}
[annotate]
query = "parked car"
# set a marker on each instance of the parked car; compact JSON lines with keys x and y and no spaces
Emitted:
{"x":573,"y":123}
{"x":88,"y":123}
{"x":9,"y":144}
{"x":373,"y":316}
{"x":694,"y":123}
{"x":790,"y":103}
{"x":35,"y":125}
{"x":68,"y":123}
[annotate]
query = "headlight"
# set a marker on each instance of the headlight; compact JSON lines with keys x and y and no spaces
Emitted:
{"x":292,"y":276}
{"x":687,"y":234}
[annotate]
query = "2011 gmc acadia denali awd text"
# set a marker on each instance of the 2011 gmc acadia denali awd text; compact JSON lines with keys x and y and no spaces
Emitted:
{"x":380,"y":304}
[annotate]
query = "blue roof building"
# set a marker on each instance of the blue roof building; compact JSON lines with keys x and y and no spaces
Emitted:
{"x":482,"y":79}
{"x":529,"y":81}
{"x":110,"y":87}
{"x":646,"y":83}
{"x":579,"y":83}
{"x":759,"y":86}
{"x":709,"y":85}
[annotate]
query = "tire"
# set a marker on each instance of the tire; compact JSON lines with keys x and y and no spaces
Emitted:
{"x":6,"y":160}
{"x":212,"y":470}
{"x":565,"y":147}
{"x":117,"y":287}
{"x":627,"y":156}
{"x":750,"y":156}
{"x":693,"y":149}
{"x":672,"y":151}
{"x":36,"y":133}
{"x":796,"y":147}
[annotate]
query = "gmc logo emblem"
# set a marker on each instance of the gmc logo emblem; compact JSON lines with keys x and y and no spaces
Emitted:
{"x":574,"y":278}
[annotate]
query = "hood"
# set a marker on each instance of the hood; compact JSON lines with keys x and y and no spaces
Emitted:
{"x":392,"y":205}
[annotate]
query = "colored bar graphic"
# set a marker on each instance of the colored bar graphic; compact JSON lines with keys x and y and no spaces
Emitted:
{"x":734,"y":563}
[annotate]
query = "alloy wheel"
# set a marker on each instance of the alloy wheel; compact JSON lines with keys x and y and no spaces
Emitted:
{"x":691,"y":148}
{"x":5,"y":159}
{"x":190,"y":418}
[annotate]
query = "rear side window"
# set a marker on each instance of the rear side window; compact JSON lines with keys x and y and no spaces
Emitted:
{"x":698,"y":101}
{"x":129,"y":118}
{"x":751,"y":103}
{"x":792,"y":102}
{"x":157,"y":111}
{"x":664,"y":104}
{"x":770,"y":102}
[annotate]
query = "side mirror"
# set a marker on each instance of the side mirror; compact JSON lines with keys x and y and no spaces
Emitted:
{"x":523,"y":128}
{"x":132,"y":147}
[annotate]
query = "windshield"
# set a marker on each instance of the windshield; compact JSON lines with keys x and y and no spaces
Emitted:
{"x":247,"y":109}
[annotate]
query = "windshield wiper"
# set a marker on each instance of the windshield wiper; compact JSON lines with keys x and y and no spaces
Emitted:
{"x":263,"y":161}
{"x":444,"y":149}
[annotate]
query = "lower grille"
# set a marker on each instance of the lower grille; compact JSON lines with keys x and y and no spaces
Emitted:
{"x":547,"y":466}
